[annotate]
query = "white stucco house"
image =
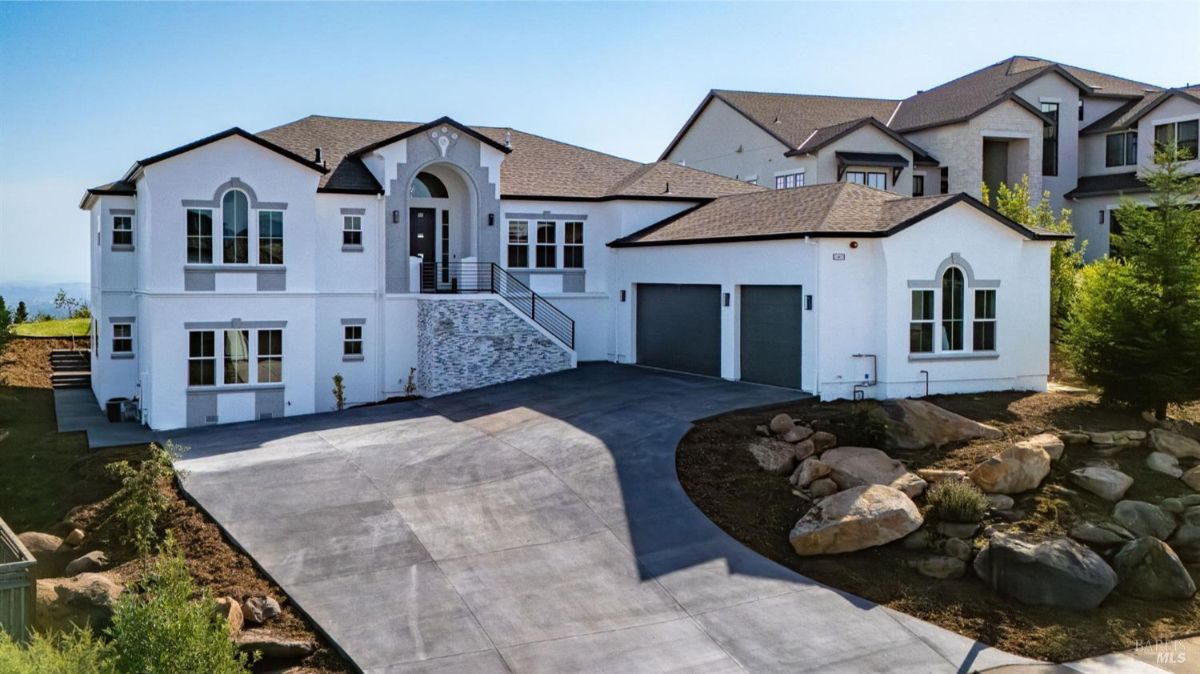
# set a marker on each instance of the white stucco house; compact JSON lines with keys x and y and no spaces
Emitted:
{"x":1083,"y":136}
{"x":233,"y":277}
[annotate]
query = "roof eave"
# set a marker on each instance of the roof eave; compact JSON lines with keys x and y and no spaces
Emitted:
{"x":141,"y":164}
{"x":427,"y":126}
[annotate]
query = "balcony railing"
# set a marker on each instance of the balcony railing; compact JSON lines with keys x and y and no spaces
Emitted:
{"x":489,"y":277}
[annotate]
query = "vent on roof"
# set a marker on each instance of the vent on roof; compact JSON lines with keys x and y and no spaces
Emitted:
{"x":776,"y":119}
{"x":317,"y":155}
{"x":508,"y":139}
{"x":668,"y":190}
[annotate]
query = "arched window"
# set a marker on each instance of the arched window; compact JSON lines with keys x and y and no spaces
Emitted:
{"x":235,"y":227}
{"x":952,"y":310}
{"x":428,"y":186}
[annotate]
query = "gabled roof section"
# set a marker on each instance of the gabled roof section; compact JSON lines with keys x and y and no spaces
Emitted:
{"x":235,"y":131}
{"x":826,"y":135}
{"x":534,"y":168}
{"x":791,"y":118}
{"x":974,"y":93}
{"x":828,"y":210}
{"x":1128,"y":115}
{"x":1112,"y":183}
{"x":118,"y":188}
{"x":433,"y":125}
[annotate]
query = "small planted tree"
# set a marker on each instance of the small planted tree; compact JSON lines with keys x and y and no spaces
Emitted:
{"x":339,"y":392}
{"x":140,"y":501}
{"x":1016,"y":203}
{"x":1134,"y":330}
{"x":164,"y":624}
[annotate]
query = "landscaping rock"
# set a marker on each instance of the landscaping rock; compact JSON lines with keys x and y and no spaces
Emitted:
{"x":940,"y":567}
{"x":86,"y":599}
{"x":1106,"y":483}
{"x":1173,"y":506}
{"x":857,"y":466}
{"x":39,"y":544}
{"x":798,"y":434}
{"x":920,"y":539}
{"x":916,"y":424}
{"x":259,"y":610}
{"x":822,"y":487}
{"x":1014,"y":470}
{"x":1164,"y":463}
{"x":1074,"y":438}
{"x":1186,"y":540}
{"x":932,"y":475}
{"x":1192,"y":478}
{"x":957,"y":529}
{"x":773,"y":456}
{"x":1144,"y":519}
{"x":1104,"y":534}
{"x":781,"y":423}
{"x":809,"y":470}
{"x":1048,"y":442}
{"x":999,"y":501}
{"x":75,"y":517}
{"x":1150,"y":569}
{"x":273,"y":646}
{"x":92,"y":561}
{"x":762,"y":430}
{"x":957,"y":548}
{"x":823,"y":440}
{"x":74,"y":538}
{"x":231,"y":611}
{"x":803,"y":450}
{"x":1057,"y":572}
{"x":1178,"y":446}
{"x":858,"y":518}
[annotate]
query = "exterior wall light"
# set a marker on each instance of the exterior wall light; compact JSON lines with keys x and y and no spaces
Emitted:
{"x":725,"y":301}
{"x":853,"y":244}
{"x":396,"y":216}
{"x":491,"y":219}
{"x":622,"y":295}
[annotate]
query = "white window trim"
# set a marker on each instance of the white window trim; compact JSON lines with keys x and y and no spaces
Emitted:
{"x":970,"y":285}
{"x":994,"y":320}
{"x":258,"y":236}
{"x":933,"y":322}
{"x":113,"y":229}
{"x":360,"y":340}
{"x":346,"y":220}
{"x":508,"y":243}
{"x":217,"y":358}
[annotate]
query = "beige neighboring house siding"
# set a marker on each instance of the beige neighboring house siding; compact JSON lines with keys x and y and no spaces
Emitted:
{"x":866,"y":139}
{"x":712,"y":142}
{"x":960,"y":146}
{"x":1054,"y":88}
{"x":1174,"y":109}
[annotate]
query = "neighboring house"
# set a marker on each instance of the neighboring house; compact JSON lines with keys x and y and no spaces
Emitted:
{"x":1020,"y":117}
{"x":233,"y":277}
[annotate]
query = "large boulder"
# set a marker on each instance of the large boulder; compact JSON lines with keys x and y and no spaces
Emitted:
{"x":51,"y":555}
{"x":855,"y":519}
{"x":1192,"y":478}
{"x":1015,"y":469}
{"x":86,"y":599}
{"x":1103,"y":534}
{"x":857,"y":466}
{"x":1058,"y":572}
{"x":1186,"y":539}
{"x":781,"y":423}
{"x":1048,"y":442}
{"x":1106,"y":483}
{"x":774,"y":456}
{"x":1144,"y":519}
{"x":1164,"y":463}
{"x":259,"y":610}
{"x":92,"y":561}
{"x":916,"y":424}
{"x":811,"y":469}
{"x":230,"y":611}
{"x":1150,"y":569}
{"x":823,"y":440}
{"x":39,"y":544}
{"x":798,"y":434}
{"x":1178,"y":446}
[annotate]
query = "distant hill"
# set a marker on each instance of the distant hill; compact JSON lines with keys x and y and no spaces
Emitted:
{"x":40,"y":296}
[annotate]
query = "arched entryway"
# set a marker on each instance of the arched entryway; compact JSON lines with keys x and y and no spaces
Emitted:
{"x":441,"y":217}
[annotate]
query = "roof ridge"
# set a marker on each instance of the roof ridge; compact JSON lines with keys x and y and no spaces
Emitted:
{"x":798,"y":95}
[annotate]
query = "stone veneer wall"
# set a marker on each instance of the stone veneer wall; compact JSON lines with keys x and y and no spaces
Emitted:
{"x":469,"y":343}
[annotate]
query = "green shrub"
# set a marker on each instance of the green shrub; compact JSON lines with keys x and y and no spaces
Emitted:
{"x":78,"y":652}
{"x":957,"y":501}
{"x":165,"y":625}
{"x":140,"y":501}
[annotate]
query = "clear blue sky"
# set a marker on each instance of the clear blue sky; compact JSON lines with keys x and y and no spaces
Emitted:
{"x":86,"y":89}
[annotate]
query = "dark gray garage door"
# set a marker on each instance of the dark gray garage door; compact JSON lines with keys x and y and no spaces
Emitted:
{"x":770,"y":334}
{"x":679,"y":327}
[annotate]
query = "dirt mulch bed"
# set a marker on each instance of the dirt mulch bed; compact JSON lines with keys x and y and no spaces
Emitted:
{"x":760,"y":509}
{"x":25,"y":362}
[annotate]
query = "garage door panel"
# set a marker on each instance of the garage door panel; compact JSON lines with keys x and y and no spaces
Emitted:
{"x":679,"y":327}
{"x":771,"y":328}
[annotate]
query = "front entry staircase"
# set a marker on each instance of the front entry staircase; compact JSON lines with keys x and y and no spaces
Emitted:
{"x":70,"y":368}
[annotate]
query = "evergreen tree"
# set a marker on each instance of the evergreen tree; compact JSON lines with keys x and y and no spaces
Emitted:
{"x":22,"y":314}
{"x":1135,"y":327}
{"x":1016,"y":203}
{"x":5,"y":323}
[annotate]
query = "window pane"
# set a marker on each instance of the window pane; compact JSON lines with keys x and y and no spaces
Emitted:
{"x":1187,"y":133}
{"x":877,"y":180}
{"x":920,"y":337}
{"x":237,"y":356}
{"x":952,"y":309}
{"x":984,"y":338}
{"x":1114,"y":150}
{"x":985,"y":304}
{"x":270,"y":237}
{"x":199,"y":236}
{"x":1050,"y":140}
{"x":1131,"y":147}
{"x":235,"y":228}
{"x":546,"y":252}
{"x":1164,"y":134}
{"x":918,"y":186}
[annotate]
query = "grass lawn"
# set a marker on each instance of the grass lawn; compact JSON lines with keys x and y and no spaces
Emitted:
{"x":69,"y":327}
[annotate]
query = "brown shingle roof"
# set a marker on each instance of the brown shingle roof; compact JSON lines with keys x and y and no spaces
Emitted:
{"x":976,"y":92}
{"x":1112,"y":183}
{"x":834,"y":209}
{"x":536,"y":166}
{"x":1129,"y":113}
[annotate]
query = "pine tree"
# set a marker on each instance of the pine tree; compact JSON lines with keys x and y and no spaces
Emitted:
{"x":5,"y":322}
{"x":1135,"y":327}
{"x":1015,"y":203}
{"x":22,"y":314}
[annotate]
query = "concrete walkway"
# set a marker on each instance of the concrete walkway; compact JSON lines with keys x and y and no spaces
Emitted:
{"x":76,"y":409}
{"x":535,"y":526}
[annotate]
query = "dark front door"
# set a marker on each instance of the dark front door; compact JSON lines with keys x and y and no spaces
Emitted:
{"x":422,"y":238}
{"x":679,"y":327}
{"x":770,"y":334}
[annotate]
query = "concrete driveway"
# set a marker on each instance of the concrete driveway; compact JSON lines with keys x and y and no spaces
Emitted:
{"x":535,"y":526}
